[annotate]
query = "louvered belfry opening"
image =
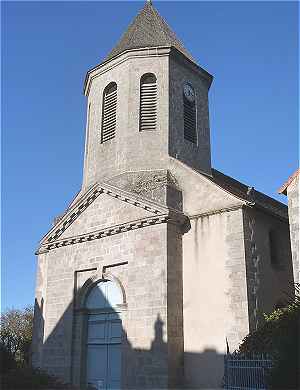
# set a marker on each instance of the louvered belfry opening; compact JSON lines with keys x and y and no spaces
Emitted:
{"x":189,"y":118}
{"x":148,"y":102}
{"x":109,"y":112}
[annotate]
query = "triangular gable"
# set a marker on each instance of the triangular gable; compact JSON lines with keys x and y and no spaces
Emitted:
{"x":104,"y":212}
{"x":123,"y":202}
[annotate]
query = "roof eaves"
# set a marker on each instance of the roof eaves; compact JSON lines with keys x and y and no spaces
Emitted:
{"x":204,"y":72}
{"x":101,"y":64}
{"x":250,"y":195}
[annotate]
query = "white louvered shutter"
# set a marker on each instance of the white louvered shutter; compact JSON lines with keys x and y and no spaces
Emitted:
{"x":189,"y":117}
{"x":148,"y":102}
{"x":109,"y":115}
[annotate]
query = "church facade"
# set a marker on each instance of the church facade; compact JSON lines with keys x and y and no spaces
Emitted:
{"x":160,"y":263}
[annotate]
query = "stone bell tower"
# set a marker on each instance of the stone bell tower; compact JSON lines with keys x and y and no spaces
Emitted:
{"x":109,"y":294}
{"x":134,"y":124}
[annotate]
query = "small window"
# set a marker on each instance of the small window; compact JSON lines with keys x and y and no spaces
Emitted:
{"x":189,"y":114}
{"x":148,"y":102}
{"x":109,"y":112}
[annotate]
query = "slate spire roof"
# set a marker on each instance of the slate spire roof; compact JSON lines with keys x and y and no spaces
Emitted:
{"x":148,"y":29}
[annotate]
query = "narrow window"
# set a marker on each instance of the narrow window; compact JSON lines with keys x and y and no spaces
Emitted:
{"x":274,"y":248}
{"x":189,"y":114}
{"x":109,"y":112}
{"x":148,"y":98}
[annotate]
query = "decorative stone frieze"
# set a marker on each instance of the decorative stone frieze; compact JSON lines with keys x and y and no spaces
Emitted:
{"x":171,"y":217}
{"x":100,"y":188}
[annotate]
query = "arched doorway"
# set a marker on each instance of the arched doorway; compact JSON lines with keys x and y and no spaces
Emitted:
{"x":104,"y":336}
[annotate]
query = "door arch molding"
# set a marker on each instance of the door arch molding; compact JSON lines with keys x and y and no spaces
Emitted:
{"x":92,"y":281}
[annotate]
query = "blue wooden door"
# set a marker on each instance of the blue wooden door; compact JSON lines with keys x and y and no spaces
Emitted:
{"x":104,"y":351}
{"x":104,"y":337}
{"x":114,"y":352}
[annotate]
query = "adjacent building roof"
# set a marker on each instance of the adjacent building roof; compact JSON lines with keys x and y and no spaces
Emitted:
{"x":283,"y":188}
{"x":148,"y":29}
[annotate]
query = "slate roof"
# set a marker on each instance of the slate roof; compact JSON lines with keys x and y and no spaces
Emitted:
{"x":249,"y":194}
{"x":148,"y":29}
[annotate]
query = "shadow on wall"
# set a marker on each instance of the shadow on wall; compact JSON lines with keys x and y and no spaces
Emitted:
{"x":203,"y":370}
{"x":89,"y":347}
{"x":38,"y":333}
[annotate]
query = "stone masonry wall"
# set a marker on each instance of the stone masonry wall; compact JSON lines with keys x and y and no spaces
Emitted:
{"x":145,"y":321}
{"x":131,"y":149}
{"x":38,"y":323}
{"x":175,"y":307}
{"x":214,"y":295}
{"x":134,"y":150}
{"x":293,"y":199}
{"x":198,"y":155}
{"x":268,"y":263}
{"x":214,"y":280}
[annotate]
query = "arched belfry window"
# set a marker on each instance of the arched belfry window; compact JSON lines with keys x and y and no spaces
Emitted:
{"x":104,"y":336}
{"x":148,"y":102}
{"x":109,"y":112}
{"x":189,"y":113}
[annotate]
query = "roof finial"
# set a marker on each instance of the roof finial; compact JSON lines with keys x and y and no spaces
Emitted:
{"x":149,"y":1}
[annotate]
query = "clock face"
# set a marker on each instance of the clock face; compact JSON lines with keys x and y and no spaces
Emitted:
{"x":189,"y":92}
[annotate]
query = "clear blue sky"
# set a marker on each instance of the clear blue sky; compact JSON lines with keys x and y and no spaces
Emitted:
{"x":251,"y":48}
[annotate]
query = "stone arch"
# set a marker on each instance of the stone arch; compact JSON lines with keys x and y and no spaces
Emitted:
{"x":92,"y":281}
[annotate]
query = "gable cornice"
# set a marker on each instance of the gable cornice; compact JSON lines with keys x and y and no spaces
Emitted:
{"x":172,"y":217}
{"x":97,"y":234}
{"x":89,"y":197}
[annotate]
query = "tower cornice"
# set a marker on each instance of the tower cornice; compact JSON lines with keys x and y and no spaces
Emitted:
{"x":126,"y":55}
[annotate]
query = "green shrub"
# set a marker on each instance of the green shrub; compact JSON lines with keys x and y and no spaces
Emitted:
{"x":279,"y":338}
{"x":279,"y":327}
{"x":16,"y":333}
